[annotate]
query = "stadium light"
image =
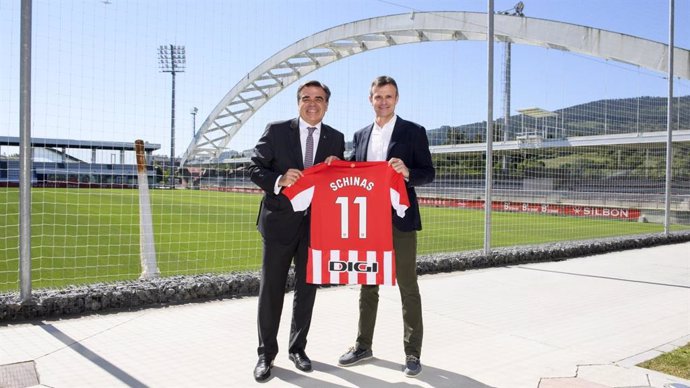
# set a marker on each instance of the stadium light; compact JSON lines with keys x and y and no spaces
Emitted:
{"x":172,"y":59}
{"x":194,"y":112}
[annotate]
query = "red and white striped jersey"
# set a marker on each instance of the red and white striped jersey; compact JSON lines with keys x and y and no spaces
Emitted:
{"x":351,"y":229}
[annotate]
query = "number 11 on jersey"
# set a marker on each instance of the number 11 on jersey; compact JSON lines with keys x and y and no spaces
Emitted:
{"x":361,"y":203}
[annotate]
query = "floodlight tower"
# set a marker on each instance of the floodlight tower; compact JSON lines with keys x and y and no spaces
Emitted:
{"x":172,"y":59}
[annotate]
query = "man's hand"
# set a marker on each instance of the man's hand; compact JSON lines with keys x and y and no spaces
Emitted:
{"x":291,"y":176}
{"x":399,"y":167}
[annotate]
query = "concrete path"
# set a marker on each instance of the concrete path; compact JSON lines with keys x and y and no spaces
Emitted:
{"x":582,"y":322}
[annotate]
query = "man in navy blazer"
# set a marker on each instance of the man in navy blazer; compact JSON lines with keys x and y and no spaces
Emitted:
{"x":280,"y":155}
{"x":405,"y":146}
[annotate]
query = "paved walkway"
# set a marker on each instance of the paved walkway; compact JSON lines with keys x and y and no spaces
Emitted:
{"x":582,"y":322}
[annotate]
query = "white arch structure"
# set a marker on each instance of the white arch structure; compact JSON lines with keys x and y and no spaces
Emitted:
{"x":323,"y":48}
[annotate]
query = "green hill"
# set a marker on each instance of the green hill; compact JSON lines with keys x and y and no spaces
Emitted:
{"x":610,"y":116}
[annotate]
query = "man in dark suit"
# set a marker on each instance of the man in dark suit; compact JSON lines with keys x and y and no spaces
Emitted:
{"x":405,"y":146}
{"x":283,"y":151}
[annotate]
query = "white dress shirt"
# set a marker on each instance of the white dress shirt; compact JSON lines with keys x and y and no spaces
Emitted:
{"x":380,"y":140}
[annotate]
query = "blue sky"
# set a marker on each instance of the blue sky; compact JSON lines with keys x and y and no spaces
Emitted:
{"x":96,"y":76}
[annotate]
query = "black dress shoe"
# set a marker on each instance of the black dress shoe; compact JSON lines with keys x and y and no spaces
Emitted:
{"x":262,"y":370}
{"x":302,"y":362}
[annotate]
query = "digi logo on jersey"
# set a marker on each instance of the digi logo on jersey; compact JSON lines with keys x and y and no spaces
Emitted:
{"x":353,"y":266}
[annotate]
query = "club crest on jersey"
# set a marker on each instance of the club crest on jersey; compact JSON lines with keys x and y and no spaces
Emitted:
{"x":353,"y":266}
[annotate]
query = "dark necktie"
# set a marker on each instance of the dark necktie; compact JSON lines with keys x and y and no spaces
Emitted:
{"x":309,"y":152}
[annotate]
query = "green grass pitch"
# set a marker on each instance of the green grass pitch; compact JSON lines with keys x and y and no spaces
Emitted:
{"x":83,"y":236}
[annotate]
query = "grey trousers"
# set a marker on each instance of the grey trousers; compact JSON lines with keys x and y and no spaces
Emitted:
{"x":405,"y":245}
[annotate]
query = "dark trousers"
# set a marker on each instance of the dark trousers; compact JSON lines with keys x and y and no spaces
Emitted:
{"x":274,"y":272}
{"x":405,"y":245}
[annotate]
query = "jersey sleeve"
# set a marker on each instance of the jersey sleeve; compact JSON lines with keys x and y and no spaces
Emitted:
{"x":400,"y":208}
{"x":398,"y":192}
{"x":301,"y":193}
{"x":301,"y":200}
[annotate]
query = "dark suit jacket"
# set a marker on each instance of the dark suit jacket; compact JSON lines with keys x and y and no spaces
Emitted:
{"x":409,"y":143}
{"x":278,"y":150}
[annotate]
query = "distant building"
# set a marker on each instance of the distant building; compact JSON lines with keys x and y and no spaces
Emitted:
{"x":52,"y":166}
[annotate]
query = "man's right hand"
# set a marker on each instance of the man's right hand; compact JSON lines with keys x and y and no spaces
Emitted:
{"x":291,"y":176}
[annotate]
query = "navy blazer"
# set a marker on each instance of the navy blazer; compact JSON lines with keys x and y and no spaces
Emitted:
{"x":278,"y":150}
{"x":410,"y":144}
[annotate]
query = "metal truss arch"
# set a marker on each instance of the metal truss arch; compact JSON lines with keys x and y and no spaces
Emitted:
{"x":315,"y":51}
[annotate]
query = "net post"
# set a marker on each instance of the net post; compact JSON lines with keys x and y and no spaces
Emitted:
{"x":149,"y":266}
